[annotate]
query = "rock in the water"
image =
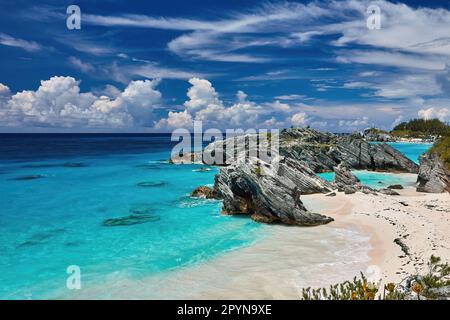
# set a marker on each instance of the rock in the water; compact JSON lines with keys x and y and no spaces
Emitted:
{"x":270,"y":192}
{"x":29,"y":177}
{"x":203,"y":192}
{"x":388,"y":192}
{"x":396,"y":187}
{"x":345,"y":180}
{"x":151,"y":184}
{"x":129,"y":220}
{"x":344,"y":177}
{"x":331,"y":194}
{"x":348,"y":183}
{"x":433,"y":175}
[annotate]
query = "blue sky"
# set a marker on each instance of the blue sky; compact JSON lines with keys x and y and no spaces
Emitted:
{"x":155,"y":66}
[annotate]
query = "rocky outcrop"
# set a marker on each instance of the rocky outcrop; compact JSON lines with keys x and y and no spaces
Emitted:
{"x":320,"y":151}
{"x":359,"y":154}
{"x":348,"y":183}
{"x":270,"y":192}
{"x":396,"y":187}
{"x":203,"y":192}
{"x":344,"y":177}
{"x":374,"y":134}
{"x":388,"y":192}
{"x":433,"y":175}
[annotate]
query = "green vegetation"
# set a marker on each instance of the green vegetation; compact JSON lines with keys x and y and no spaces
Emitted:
{"x":375,"y":131}
{"x":421,"y":128}
{"x":258,"y":170}
{"x":419,"y":286}
{"x":442,"y":148}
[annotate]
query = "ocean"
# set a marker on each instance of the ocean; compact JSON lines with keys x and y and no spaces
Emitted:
{"x":110,"y":204}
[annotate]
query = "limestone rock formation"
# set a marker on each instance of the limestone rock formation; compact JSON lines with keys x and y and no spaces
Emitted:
{"x":433,"y":176}
{"x":320,"y":151}
{"x":203,"y":192}
{"x":270,"y":192}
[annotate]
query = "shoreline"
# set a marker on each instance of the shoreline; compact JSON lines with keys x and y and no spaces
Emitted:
{"x":287,"y":259}
{"x":420,"y":220}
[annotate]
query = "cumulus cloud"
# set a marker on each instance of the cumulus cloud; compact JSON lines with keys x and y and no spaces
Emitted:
{"x":58,"y":103}
{"x":205,"y":105}
{"x":299,"y":119}
{"x":442,"y":114}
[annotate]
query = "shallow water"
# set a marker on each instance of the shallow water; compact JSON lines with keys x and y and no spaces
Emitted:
{"x":49,"y":223}
{"x":57,"y":191}
{"x":382,"y":180}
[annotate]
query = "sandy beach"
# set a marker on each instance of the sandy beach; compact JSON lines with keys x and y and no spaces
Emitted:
{"x":290,"y":258}
{"x":420,"y":220}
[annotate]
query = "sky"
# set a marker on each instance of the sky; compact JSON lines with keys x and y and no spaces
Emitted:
{"x":155,"y":66}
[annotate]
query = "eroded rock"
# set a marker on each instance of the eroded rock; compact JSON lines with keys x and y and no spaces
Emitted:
{"x":433,"y":175}
{"x":270,"y":192}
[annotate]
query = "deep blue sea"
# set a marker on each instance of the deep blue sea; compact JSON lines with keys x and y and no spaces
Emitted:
{"x":57,"y":193}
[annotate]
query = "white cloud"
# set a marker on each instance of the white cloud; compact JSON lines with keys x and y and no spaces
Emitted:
{"x":205,"y":105}
{"x":10,"y":41}
{"x":397,"y":121}
{"x":299,"y":119}
{"x":392,"y":59}
{"x":4,"y":90}
{"x":291,"y":97}
{"x":404,"y":86}
{"x":432,"y":113}
{"x":80,"y":65}
{"x":364,"y":121}
{"x":58,"y":103}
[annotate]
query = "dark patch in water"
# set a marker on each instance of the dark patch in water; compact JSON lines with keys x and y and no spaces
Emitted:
{"x":151,"y":184}
{"x":74,"y":165}
{"x":150,"y":166}
{"x":39,"y":166}
{"x":72,"y":244}
{"x":29,"y":177}
{"x":141,"y":209}
{"x":54,"y":165}
{"x":129,"y":220}
{"x":40,"y":238}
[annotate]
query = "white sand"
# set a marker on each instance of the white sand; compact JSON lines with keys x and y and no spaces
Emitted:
{"x":291,"y":258}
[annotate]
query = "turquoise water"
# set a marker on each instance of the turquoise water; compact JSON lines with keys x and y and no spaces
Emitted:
{"x":382,"y":180}
{"x":412,"y":150}
{"x":57,"y":191}
{"x":49,"y":223}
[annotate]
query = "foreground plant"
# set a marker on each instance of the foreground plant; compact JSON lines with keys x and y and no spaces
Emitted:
{"x":433,"y":285}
